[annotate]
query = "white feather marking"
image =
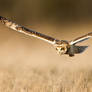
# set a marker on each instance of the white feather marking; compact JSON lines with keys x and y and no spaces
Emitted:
{"x":73,"y":42}
{"x":21,"y":31}
{"x":14,"y":26}
{"x":52,"y":42}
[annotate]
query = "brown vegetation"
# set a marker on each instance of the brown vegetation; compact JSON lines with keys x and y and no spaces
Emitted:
{"x":30,"y":65}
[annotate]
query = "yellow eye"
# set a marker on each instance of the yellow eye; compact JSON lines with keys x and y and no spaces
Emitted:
{"x":62,"y":48}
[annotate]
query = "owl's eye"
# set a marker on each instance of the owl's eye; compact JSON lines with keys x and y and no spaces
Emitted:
{"x":62,"y":48}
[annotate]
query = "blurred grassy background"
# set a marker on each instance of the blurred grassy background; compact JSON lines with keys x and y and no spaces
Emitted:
{"x":27,"y":63}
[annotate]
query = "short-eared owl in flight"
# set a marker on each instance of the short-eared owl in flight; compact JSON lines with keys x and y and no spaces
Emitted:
{"x":62,"y":46}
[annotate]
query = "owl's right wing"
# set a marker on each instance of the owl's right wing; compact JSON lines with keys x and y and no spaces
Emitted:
{"x":27,"y":31}
{"x":80,"y":39}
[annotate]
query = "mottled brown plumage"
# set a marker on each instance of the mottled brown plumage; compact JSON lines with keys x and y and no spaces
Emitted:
{"x":62,"y":46}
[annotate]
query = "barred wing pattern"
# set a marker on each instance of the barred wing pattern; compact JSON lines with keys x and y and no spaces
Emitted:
{"x":27,"y":31}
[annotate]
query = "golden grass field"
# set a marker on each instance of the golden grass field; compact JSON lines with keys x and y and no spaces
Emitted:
{"x":28,"y":64}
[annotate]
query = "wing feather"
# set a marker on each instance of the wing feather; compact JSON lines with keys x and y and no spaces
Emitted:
{"x":80,"y":39}
{"x":27,"y":31}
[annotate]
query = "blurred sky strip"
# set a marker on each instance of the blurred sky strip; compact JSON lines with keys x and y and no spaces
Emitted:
{"x":47,"y":10}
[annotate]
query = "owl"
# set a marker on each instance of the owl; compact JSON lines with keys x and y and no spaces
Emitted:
{"x":62,"y":46}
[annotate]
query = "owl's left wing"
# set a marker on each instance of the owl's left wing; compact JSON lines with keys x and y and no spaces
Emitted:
{"x":27,"y":31}
{"x":80,"y":39}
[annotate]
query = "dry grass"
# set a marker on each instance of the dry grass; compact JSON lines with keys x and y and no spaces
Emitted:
{"x":34,"y":80}
{"x":27,"y":66}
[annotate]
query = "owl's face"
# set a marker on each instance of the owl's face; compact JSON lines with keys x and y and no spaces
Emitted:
{"x":62,"y":48}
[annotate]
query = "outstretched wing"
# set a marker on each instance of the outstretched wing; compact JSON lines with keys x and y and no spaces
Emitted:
{"x":80,"y":39}
{"x":26,"y":31}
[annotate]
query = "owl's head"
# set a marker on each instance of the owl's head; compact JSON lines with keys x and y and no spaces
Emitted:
{"x":62,"y":47}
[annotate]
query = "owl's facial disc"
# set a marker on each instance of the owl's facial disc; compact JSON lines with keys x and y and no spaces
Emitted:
{"x":61,"y":49}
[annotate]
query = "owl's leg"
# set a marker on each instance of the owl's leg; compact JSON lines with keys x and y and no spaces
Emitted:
{"x":71,"y":51}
